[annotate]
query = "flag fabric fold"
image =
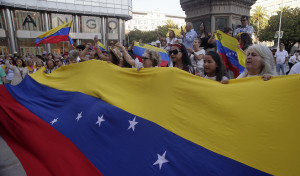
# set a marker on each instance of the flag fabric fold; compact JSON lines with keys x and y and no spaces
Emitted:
{"x":139,"y":49}
{"x":58,"y":34}
{"x":151,"y":123}
{"x":233,"y":57}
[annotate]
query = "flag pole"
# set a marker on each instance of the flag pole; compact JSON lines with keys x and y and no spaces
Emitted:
{"x":279,"y":31}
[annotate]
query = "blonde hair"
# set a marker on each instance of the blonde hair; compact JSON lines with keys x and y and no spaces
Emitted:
{"x":155,"y":56}
{"x":267,"y":60}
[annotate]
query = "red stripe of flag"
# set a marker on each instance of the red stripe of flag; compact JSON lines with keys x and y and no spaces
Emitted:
{"x":54,"y":39}
{"x":48,"y":152}
{"x":229,"y":66}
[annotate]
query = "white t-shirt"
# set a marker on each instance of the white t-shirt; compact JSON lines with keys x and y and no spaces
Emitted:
{"x":214,"y":78}
{"x":281,"y":56}
{"x":195,"y":62}
{"x":294,"y":59}
{"x":10,"y":75}
{"x":295,"y":69}
{"x":170,"y":42}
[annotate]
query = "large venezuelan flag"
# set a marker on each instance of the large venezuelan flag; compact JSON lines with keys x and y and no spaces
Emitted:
{"x":58,"y":34}
{"x":151,"y":122}
{"x":138,"y":51}
{"x":233,"y":57}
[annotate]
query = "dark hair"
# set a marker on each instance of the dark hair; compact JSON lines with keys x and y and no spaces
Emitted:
{"x":82,"y":47}
{"x":247,"y":40}
{"x":114,"y":58}
{"x":204,"y":31}
{"x":51,"y":55}
{"x":23,"y":62}
{"x":245,"y":17}
{"x":50,"y":61}
{"x":227,"y":29}
{"x":220,"y":70}
{"x":185,"y":56}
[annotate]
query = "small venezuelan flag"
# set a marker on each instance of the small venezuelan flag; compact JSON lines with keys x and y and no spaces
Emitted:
{"x":233,"y":57}
{"x":101,"y":46}
{"x":138,"y":51}
{"x":58,"y":34}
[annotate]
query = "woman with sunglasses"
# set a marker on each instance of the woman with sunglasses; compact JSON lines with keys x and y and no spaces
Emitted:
{"x":180,"y":58}
{"x":151,"y":58}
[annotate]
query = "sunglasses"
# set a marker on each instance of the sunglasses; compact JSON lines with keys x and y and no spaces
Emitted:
{"x":145,"y":58}
{"x":174,"y":52}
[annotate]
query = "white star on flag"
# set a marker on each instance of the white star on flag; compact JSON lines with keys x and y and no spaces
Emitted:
{"x":79,"y":116}
{"x":54,"y":121}
{"x":161,"y":160}
{"x":132,"y":124}
{"x":100,"y":119}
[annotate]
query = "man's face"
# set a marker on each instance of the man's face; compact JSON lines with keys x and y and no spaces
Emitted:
{"x":281,"y":46}
{"x":244,"y":22}
{"x":188,"y":27}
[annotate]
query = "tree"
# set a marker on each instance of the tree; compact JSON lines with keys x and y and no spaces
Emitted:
{"x":259,"y":19}
{"x":290,"y":26}
{"x":146,"y":36}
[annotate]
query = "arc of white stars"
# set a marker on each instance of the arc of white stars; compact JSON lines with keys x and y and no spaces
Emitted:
{"x":132,"y":124}
{"x":161,"y":159}
{"x":79,"y":116}
{"x":54,"y":121}
{"x":100,"y":120}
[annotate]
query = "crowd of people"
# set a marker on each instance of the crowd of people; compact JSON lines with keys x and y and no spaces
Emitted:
{"x":197,"y":54}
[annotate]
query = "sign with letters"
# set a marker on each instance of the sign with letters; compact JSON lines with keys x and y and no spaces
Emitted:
{"x":91,"y":24}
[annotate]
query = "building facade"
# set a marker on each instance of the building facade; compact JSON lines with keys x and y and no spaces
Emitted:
{"x":21,"y":21}
{"x":216,"y":14}
{"x":273,"y":6}
{"x":148,"y":21}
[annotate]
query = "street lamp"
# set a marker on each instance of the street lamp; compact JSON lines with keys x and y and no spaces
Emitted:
{"x":279,"y":33}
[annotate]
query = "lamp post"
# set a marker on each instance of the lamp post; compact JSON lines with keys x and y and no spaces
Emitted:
{"x":279,"y":33}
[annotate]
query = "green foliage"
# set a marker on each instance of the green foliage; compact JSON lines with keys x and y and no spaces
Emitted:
{"x":290,"y":26}
{"x":150,"y":36}
{"x":259,"y":20}
{"x":146,"y":36}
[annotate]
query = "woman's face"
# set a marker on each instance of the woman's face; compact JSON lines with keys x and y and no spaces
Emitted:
{"x":229,"y":33}
{"x":50,"y":56}
{"x":30,"y":62}
{"x":147,"y":61}
{"x":253,"y":62}
{"x":175,"y":54}
{"x":171,"y":34}
{"x":196,"y":43}
{"x":210,"y":66}
{"x":39,"y":63}
{"x":19,"y":63}
{"x":201,"y":26}
{"x":50,"y":64}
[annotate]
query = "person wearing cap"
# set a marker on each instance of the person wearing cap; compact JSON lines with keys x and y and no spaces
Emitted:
{"x":151,"y":58}
{"x":245,"y":28}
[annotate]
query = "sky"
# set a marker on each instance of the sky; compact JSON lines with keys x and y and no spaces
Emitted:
{"x":169,"y":6}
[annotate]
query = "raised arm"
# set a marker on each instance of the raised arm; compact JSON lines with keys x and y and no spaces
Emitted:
{"x":126,"y":56}
{"x":84,"y":52}
{"x":159,"y":36}
{"x":8,"y":65}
